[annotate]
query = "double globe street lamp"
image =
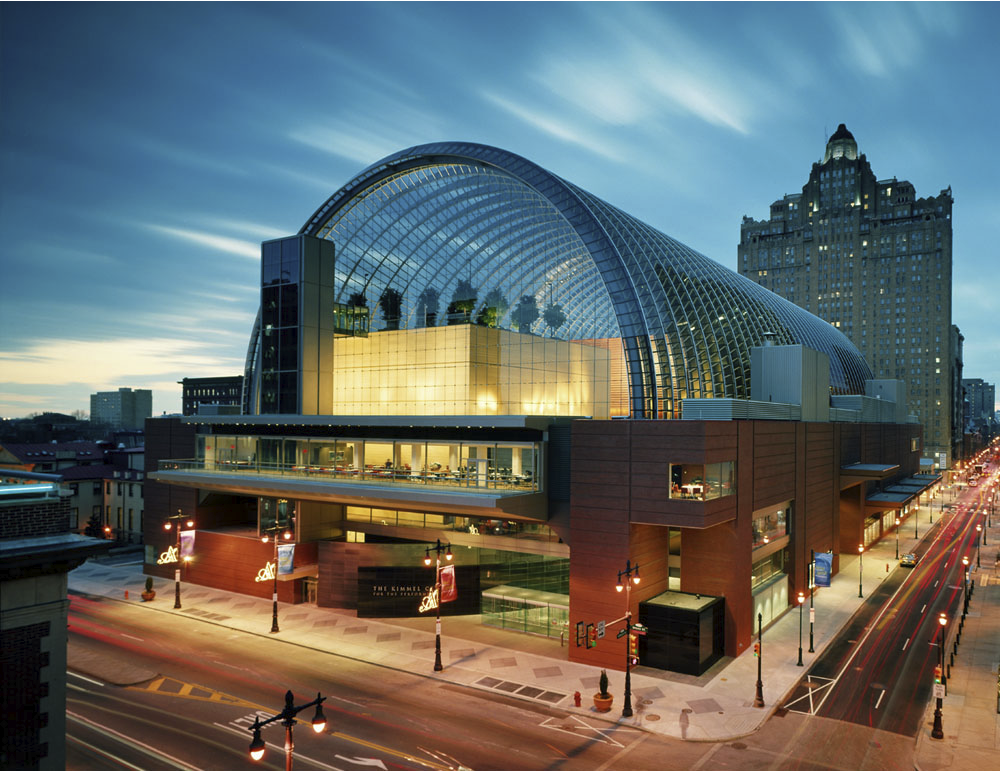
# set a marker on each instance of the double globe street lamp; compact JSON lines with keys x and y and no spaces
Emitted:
{"x":174,"y":521}
{"x":632,"y":574}
{"x":438,"y":548}
{"x":287,"y":716}
{"x":271,"y":534}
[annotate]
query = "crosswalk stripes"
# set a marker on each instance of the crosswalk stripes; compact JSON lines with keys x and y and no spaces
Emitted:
{"x":807,"y":702}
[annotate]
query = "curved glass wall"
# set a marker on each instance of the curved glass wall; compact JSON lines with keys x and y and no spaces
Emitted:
{"x":458,"y":233}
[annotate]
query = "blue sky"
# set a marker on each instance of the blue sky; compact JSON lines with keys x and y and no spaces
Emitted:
{"x":147,"y":149}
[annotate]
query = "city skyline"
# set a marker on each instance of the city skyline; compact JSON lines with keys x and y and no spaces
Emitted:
{"x":148,"y":150}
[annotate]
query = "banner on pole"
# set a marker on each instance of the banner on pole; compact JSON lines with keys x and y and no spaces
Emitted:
{"x":286,"y":554}
{"x":448,"y":590}
{"x":187,"y":544}
{"x":822,"y":569}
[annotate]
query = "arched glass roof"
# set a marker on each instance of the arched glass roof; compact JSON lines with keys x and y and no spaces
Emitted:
{"x":432,"y":220}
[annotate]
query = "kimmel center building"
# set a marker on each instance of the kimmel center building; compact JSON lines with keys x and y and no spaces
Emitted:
{"x":461,"y":347}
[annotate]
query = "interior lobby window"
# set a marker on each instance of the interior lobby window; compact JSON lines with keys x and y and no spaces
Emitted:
{"x":694,"y":481}
{"x":766,"y":529}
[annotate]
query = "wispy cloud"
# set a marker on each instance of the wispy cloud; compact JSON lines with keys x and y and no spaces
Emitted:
{"x":102,"y":364}
{"x":212,"y":240}
{"x":880,"y":39}
{"x":561,"y":129}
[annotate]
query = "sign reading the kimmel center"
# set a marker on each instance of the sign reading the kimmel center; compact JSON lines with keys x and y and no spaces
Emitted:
{"x":397,"y":592}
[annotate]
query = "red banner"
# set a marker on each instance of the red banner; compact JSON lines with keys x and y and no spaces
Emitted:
{"x":448,"y":590}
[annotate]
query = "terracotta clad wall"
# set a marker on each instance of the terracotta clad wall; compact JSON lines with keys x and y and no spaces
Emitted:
{"x":165,"y":438}
{"x":775,"y":462}
{"x":817,"y":502}
{"x":229,"y":562}
{"x":600,"y":501}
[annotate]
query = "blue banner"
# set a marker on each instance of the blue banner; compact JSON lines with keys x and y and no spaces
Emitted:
{"x":822,"y":569}
{"x":286,"y":554}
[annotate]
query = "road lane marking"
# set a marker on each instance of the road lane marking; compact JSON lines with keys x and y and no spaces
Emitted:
{"x":881,"y":694}
{"x":906,"y":643}
{"x":134,"y":743}
{"x":923,"y":608}
{"x":571,"y":729}
{"x":83,"y":677}
{"x":131,"y":637}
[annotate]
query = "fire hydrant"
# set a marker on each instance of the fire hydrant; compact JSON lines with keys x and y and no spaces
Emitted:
{"x":576,"y":698}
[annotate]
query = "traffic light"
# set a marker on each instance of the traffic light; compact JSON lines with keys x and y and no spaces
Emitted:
{"x":757,"y":649}
{"x":634,"y":649}
{"x":592,"y":636}
{"x":938,"y":674}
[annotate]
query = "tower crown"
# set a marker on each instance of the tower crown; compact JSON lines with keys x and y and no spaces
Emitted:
{"x":841,"y":145}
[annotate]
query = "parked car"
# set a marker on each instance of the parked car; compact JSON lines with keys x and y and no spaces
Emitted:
{"x":909,"y":560}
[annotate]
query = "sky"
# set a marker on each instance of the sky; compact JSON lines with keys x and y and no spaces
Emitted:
{"x":147,"y":149}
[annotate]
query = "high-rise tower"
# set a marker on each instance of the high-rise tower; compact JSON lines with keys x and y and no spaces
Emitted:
{"x":875,"y":261}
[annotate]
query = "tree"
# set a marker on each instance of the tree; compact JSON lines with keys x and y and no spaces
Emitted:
{"x":554,"y":316}
{"x":358,"y":300}
{"x":390,"y":303}
{"x":94,"y":527}
{"x":525,"y":313}
{"x":495,"y":305}
{"x":427,"y":307}
{"x":463,"y":302}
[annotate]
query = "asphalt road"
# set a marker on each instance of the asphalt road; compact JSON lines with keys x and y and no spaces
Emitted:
{"x":205,"y":685}
{"x":879,"y":671}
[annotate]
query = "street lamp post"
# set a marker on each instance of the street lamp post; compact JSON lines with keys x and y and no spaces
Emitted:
{"x":632,"y":574}
{"x":966,"y":584}
{"x":915,"y":522}
{"x":802,"y":599}
{"x":898,"y":537}
{"x":813,"y":591}
{"x":174,"y":521}
{"x":759,"y":696}
{"x":861,"y":549}
{"x":438,"y":549}
{"x":936,"y":731}
{"x":287,"y":716}
{"x":271,"y":533}
{"x":979,"y":528}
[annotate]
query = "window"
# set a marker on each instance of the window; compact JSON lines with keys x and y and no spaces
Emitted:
{"x":694,"y":481}
{"x":770,"y":526}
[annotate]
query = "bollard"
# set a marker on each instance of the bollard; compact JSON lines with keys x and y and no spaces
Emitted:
{"x":126,"y":594}
{"x":887,"y":567}
{"x":576,"y":698}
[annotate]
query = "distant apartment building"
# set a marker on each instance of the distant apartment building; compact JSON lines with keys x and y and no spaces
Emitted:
{"x":123,"y":408}
{"x":211,"y":395}
{"x":102,"y":481}
{"x":979,"y":403}
{"x":875,"y":261}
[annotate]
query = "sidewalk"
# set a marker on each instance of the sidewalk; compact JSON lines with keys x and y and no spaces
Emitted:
{"x":970,"y":717}
{"x":716,"y":707}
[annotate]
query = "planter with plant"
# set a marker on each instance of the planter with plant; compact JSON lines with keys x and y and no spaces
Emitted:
{"x":148,"y":593}
{"x":603,"y":699}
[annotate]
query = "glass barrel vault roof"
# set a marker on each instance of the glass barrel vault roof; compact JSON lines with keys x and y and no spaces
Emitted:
{"x":432,"y":216}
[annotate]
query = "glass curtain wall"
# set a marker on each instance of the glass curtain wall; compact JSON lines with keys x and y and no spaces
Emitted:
{"x":494,"y":465}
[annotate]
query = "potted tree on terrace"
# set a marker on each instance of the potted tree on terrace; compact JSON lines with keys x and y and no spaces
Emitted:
{"x":603,"y":699}
{"x":148,"y":593}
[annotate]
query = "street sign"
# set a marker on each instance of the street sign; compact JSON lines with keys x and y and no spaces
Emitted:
{"x":640,"y":628}
{"x":938,"y":690}
{"x":601,"y":629}
{"x":621,"y":633}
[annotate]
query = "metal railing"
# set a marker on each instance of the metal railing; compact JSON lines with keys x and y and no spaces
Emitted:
{"x":468,"y":480}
